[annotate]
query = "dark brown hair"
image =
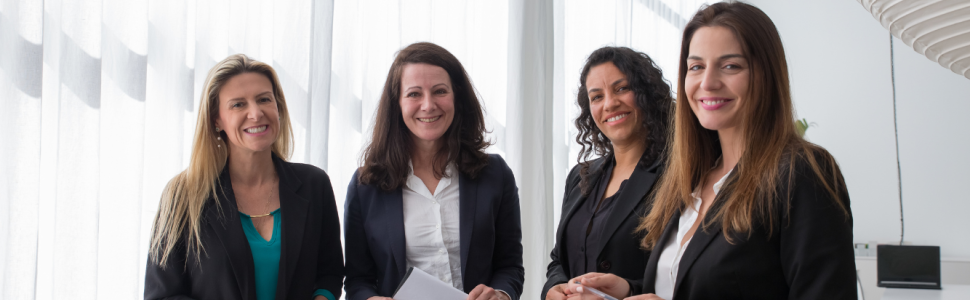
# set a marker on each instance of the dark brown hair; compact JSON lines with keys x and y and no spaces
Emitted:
{"x":771,"y":145}
{"x":385,"y":161}
{"x":652,"y":99}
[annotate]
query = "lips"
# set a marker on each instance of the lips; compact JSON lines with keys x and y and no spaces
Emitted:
{"x":429,"y":120}
{"x":257,"y":129}
{"x":616,"y":117}
{"x":713,"y":103}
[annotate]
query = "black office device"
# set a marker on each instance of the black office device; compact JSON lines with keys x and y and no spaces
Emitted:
{"x":913,"y":267}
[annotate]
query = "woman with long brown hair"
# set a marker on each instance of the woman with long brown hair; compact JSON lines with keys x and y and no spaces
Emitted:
{"x":747,"y":208}
{"x":428,"y":196}
{"x":625,"y":108}
{"x":241,"y":222}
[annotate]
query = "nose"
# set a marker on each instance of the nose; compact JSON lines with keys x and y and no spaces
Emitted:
{"x":427,"y":103}
{"x":711,"y":80}
{"x":255,"y":112}
{"x":610,"y":102}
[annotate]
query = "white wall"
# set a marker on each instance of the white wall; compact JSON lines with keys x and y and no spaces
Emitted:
{"x":840,"y":66}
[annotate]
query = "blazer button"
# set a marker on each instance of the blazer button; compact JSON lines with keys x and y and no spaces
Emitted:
{"x":605,"y":265}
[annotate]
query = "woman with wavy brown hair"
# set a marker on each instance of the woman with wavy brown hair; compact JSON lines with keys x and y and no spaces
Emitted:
{"x":747,"y":209}
{"x":625,"y":108}
{"x":428,"y":196}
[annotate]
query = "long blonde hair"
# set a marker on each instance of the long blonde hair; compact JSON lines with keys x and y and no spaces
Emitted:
{"x":185,"y":196}
{"x":771,"y":144}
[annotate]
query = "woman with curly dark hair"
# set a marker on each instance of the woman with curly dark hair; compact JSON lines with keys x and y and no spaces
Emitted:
{"x":625,"y":109}
{"x":428,"y":196}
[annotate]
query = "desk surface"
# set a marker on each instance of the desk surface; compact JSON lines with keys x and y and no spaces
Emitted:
{"x":949,"y":292}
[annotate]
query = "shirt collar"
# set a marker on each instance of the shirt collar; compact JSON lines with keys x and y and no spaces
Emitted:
{"x":717,"y":187}
{"x":415,"y":184}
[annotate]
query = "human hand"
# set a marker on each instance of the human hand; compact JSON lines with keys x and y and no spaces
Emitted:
{"x":607,"y":283}
{"x":484,"y":292}
{"x":557,"y":292}
{"x":645,"y":297}
{"x":377,"y":298}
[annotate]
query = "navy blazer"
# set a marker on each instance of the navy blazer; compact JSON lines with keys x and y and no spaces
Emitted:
{"x":490,"y":233}
{"x":621,"y":253}
{"x":807,"y":256}
{"x":310,"y":257}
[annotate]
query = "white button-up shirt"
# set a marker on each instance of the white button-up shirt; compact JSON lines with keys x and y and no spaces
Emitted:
{"x":669,"y":262}
{"x":431,"y":227}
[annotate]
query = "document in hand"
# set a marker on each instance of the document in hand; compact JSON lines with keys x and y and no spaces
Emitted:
{"x":418,"y":285}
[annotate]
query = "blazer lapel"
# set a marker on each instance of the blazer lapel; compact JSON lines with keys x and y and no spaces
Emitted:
{"x":293,"y":210}
{"x":224,"y":221}
{"x":703,"y":236}
{"x":394,"y":216}
{"x":650,"y":276}
{"x":636,"y":188}
{"x":573,"y":204}
{"x":467,"y":200}
{"x":698,"y":243}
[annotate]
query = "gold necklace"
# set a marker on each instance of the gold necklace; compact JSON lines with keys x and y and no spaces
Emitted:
{"x":266,"y":214}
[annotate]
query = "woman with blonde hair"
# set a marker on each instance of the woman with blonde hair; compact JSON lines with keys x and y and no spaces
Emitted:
{"x":241,"y":222}
{"x":747,"y":209}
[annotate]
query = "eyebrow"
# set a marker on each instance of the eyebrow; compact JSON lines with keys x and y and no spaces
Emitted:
{"x":618,"y":81}
{"x":434,"y":86}
{"x":723,"y":57}
{"x":244,"y":98}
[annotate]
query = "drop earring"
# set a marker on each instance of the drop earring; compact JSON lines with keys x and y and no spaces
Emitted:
{"x":218,"y":137}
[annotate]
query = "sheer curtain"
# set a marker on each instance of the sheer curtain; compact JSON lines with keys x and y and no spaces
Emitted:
{"x":99,"y":101}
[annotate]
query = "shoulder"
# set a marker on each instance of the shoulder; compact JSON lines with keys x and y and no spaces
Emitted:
{"x":497,"y":170}
{"x":307,"y":171}
{"x":809,"y":162}
{"x":575,"y":175}
{"x":497,"y":164}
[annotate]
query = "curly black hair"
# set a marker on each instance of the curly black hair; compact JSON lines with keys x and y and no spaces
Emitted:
{"x":653,"y":98}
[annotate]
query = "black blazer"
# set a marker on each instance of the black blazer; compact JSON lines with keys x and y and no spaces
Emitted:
{"x":310,"y":257}
{"x":490,"y":232}
{"x":621,"y":254}
{"x":808,"y":256}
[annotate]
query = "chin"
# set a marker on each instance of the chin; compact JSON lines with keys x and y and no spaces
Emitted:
{"x":429,"y":136}
{"x":712,"y":125}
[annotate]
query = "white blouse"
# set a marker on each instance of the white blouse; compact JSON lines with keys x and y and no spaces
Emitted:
{"x":431,"y":231}
{"x":669,"y":263}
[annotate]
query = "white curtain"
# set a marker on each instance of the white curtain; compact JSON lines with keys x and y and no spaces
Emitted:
{"x":99,"y":101}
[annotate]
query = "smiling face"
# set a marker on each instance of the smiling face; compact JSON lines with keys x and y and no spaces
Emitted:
{"x":613,"y":104}
{"x":427,"y":101}
{"x":248,"y":113}
{"x":717,"y":77}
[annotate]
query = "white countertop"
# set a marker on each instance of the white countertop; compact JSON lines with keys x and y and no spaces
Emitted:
{"x":949,"y":292}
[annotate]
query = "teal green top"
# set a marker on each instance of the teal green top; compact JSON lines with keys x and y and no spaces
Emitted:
{"x":266,"y":258}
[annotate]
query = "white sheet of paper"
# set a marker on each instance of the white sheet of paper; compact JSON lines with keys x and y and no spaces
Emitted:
{"x":420,"y":285}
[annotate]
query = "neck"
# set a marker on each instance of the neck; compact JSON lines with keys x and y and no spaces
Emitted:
{"x":731,"y":147}
{"x":251,"y":168}
{"x":424,"y":152}
{"x":628,"y":154}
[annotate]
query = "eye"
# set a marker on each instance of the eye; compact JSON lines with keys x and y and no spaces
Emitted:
{"x":266,"y":99}
{"x":441,"y":92}
{"x":236,"y":104}
{"x":622,"y":89}
{"x":595,"y":97}
{"x":412,"y":94}
{"x":694,"y":68}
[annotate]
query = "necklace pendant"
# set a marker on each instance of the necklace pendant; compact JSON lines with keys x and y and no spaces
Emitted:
{"x":260,"y":216}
